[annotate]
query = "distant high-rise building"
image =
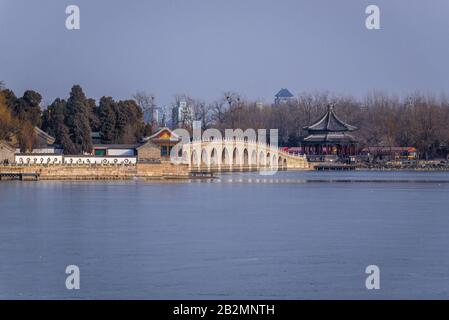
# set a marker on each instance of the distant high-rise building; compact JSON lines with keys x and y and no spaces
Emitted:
{"x":155,"y":119}
{"x":182,"y":110}
{"x":151,"y":116}
{"x":182,"y":113}
{"x":283,"y":96}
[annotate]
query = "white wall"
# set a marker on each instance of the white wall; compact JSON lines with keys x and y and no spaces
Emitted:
{"x":38,"y":159}
{"x":99,"y":160}
{"x":60,"y":159}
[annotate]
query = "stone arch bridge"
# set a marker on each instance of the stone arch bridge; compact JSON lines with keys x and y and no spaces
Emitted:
{"x":228,"y":155}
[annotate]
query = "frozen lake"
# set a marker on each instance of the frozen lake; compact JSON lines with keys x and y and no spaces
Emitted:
{"x":295,"y":235}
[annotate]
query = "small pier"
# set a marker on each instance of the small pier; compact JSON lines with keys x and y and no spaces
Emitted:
{"x":20,"y":176}
{"x":335,"y":167}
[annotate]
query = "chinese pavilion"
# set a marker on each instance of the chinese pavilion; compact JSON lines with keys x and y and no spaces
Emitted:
{"x":283,"y":96}
{"x":165,"y":139}
{"x":329,"y":136}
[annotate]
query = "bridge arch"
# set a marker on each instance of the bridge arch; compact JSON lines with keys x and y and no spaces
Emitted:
{"x":204,"y":160}
{"x":245,"y":157}
{"x":194,"y":159}
{"x":236,"y":157}
{"x":254,"y":158}
{"x":274,"y":161}
{"x":214,"y":157}
{"x":261,"y":158}
{"x":225,"y":157}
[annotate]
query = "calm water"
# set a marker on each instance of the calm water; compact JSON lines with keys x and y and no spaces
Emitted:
{"x":290,"y":236}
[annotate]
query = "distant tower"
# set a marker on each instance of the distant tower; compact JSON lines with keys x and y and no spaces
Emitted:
{"x":155,"y":118}
{"x":283,"y":96}
{"x":151,"y":116}
{"x":182,"y":113}
{"x":182,"y":110}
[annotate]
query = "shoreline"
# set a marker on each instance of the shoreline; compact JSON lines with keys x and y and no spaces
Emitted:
{"x":163,"y":172}
{"x":82,"y":172}
{"x":402,"y":170}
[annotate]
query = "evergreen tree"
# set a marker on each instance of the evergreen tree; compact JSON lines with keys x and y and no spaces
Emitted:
{"x":293,"y":140}
{"x":107,"y":117}
{"x":94,"y":119}
{"x":130,"y":123}
{"x":53,"y":122}
{"x":10,"y":99}
{"x":77,"y":120}
{"x":121,"y":122}
{"x":28,"y":107}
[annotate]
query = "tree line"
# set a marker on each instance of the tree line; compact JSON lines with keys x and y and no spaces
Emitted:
{"x":416,"y":120}
{"x":70,"y":121}
{"x":19,"y":116}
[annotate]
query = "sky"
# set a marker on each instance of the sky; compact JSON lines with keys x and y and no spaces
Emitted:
{"x":206,"y":47}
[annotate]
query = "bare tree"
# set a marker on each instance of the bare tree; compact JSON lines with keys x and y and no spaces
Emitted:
{"x":202,"y":112}
{"x":234,"y":101}
{"x":218,"y":109}
{"x":147,"y":102}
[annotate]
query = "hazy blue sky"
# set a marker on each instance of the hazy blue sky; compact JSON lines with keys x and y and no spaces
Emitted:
{"x":206,"y":47}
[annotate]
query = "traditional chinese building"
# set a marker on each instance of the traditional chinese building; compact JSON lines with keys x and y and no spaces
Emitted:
{"x":165,"y":139}
{"x":386,"y":153}
{"x":329,"y":136}
{"x":154,"y":148}
{"x":43,"y":144}
{"x":283,"y":96}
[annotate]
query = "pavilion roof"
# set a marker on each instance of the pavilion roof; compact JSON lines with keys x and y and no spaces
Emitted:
{"x":6,"y":145}
{"x":329,"y":122}
{"x":284,"y":93}
{"x":44,"y":135}
{"x":333,"y":137}
{"x":163,"y":134}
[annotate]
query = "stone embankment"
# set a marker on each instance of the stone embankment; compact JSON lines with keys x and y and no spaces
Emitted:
{"x":161,"y":170}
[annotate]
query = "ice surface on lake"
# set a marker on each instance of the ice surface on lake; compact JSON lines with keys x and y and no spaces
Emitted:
{"x":290,"y":236}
